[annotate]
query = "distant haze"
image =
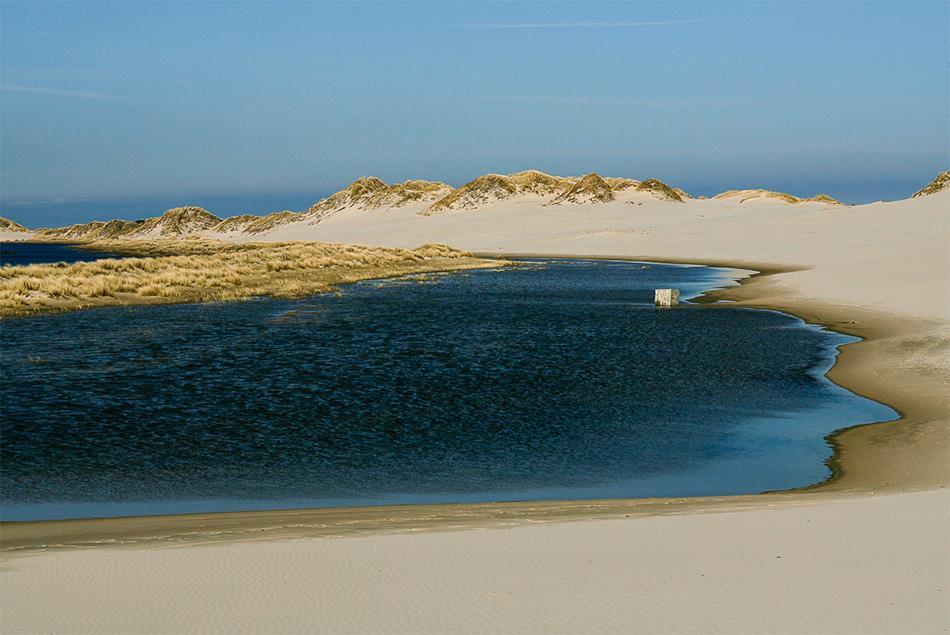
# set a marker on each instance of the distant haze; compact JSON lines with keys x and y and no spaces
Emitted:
{"x":126,"y":109}
{"x":56,"y":213}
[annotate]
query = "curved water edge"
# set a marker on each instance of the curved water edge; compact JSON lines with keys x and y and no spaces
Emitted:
{"x":689,"y":462}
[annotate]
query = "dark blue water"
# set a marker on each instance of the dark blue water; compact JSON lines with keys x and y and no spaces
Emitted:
{"x":556,"y":381}
{"x":21,"y":253}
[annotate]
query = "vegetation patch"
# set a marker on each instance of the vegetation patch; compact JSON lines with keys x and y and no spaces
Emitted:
{"x":166,"y":271}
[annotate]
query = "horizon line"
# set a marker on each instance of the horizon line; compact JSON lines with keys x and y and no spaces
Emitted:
{"x":571,"y":25}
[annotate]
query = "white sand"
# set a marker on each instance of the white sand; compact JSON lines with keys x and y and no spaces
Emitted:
{"x":8,"y":236}
{"x":860,"y":565}
{"x":890,"y":256}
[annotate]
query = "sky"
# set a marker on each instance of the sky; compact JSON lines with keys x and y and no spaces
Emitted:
{"x":124,"y":109}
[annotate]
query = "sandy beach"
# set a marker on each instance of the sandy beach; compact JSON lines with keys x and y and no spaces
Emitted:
{"x":860,"y":565}
{"x":574,"y":317}
{"x":866,"y":551}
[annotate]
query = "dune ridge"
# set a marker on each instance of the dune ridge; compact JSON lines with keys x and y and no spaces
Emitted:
{"x":176,"y":222}
{"x":490,"y":188}
{"x":940,"y":183}
{"x":751,"y":195}
{"x":421,"y":197}
{"x":367,"y":194}
{"x":8,"y":225}
{"x":372,"y":193}
{"x":662,"y":191}
{"x":591,"y":188}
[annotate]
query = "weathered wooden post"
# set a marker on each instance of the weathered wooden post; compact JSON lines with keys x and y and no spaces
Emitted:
{"x":666,"y":297}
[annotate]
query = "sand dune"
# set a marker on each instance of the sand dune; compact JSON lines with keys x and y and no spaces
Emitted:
{"x":940,"y":184}
{"x":12,"y":230}
{"x":590,"y":189}
{"x":890,"y":256}
{"x":372,"y":193}
{"x":751,"y":195}
{"x":839,"y":557}
{"x":8,"y":225}
{"x":526,"y":189}
{"x":366,"y":194}
{"x":177,"y":222}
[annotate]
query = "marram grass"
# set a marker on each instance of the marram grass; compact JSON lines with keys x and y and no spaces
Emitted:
{"x":165,"y":271}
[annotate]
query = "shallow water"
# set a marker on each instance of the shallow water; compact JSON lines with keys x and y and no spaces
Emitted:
{"x":22,"y":253}
{"x":556,"y":381}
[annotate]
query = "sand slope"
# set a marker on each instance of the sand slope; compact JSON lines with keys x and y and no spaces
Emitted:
{"x":833,"y":567}
{"x":13,"y":236}
{"x":891,"y":256}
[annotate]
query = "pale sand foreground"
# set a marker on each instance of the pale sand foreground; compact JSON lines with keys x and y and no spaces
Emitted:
{"x":851,"y":560}
{"x":847,"y":566}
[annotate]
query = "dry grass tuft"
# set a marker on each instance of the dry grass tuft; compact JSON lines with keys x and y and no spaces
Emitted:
{"x":162,"y":271}
{"x":749,"y":195}
{"x":495,"y":187}
{"x":940,"y":183}
{"x":9,"y":225}
{"x":592,"y":188}
{"x":660,"y":190}
{"x":370,"y":192}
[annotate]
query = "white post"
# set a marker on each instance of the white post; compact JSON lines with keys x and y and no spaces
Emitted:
{"x":666,"y":297}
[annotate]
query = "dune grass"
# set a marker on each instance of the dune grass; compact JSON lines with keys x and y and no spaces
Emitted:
{"x":165,"y":271}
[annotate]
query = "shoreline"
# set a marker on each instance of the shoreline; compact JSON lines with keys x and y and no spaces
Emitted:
{"x":904,"y":454}
{"x":922,"y":402}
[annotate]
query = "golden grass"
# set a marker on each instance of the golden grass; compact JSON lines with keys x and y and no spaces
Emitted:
{"x":165,"y":271}
{"x":592,"y":188}
{"x":941,"y":182}
{"x":370,"y":192}
{"x":748,"y":195}
{"x":9,"y":225}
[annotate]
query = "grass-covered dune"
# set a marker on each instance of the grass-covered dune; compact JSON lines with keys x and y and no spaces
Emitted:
{"x":166,"y":271}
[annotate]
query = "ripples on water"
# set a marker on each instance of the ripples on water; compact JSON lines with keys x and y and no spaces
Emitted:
{"x":559,"y":380}
{"x":22,"y":253}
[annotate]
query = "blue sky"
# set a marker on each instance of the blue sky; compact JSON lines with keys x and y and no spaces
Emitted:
{"x":123,"y":109}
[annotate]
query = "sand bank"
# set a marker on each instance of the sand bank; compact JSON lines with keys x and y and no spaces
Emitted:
{"x":9,"y":236}
{"x":851,"y":565}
